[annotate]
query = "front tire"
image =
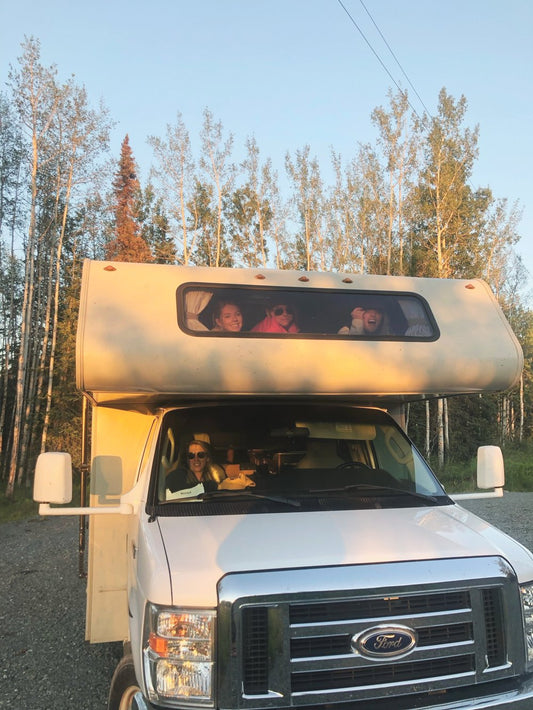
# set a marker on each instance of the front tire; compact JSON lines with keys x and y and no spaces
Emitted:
{"x":124,"y":686}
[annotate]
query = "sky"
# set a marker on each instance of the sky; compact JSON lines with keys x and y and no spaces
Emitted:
{"x":293,"y":73}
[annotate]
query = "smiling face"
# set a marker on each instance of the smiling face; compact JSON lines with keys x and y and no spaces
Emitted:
{"x":372,"y":320}
{"x":197,"y":459}
{"x":283,"y":315}
{"x":229,"y":318}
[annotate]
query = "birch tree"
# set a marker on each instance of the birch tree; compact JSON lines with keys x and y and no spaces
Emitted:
{"x":249,"y":209}
{"x":11,"y":184}
{"x":217,"y":171}
{"x":398,"y":138}
{"x":63,"y":136}
{"x":347,"y":241}
{"x":354,"y":212}
{"x":174,"y":173}
{"x":371,"y":209}
{"x":37,"y":98}
{"x":307,"y":194}
{"x":449,"y":150}
{"x":83,"y":135}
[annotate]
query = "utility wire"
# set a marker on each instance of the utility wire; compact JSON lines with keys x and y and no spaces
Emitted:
{"x":382,"y":63}
{"x":377,"y":55}
{"x":397,"y":62}
{"x":395,"y":58}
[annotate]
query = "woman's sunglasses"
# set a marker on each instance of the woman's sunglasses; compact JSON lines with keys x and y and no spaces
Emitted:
{"x":200,"y":454}
{"x":280,"y":310}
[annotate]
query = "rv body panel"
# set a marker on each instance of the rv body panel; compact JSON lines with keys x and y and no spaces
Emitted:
{"x":119,"y":439}
{"x":134,"y":344}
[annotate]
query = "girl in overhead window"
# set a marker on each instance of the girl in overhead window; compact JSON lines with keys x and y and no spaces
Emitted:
{"x":280,"y":318}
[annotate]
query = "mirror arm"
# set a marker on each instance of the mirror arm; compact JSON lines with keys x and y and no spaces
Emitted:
{"x":122,"y":509}
{"x":496,"y":493}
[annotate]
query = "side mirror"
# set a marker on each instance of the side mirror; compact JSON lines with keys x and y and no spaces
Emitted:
{"x":490,"y":468}
{"x":53,"y":478}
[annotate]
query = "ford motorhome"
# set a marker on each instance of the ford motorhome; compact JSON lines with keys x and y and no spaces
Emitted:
{"x":313,"y":559}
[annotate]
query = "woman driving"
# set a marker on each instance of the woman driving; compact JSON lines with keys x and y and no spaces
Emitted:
{"x":200,"y":469}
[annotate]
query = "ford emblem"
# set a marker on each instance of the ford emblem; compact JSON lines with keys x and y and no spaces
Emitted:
{"x":384,"y":641}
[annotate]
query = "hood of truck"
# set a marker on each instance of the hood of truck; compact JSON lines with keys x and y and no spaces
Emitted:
{"x":200,"y":550}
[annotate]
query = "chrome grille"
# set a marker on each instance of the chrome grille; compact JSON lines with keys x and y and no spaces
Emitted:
{"x":389,"y":606}
{"x":289,"y":633}
{"x":338,"y":645}
{"x":382,"y":674}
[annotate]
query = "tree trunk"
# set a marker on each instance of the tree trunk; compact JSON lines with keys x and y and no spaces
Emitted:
{"x":24,"y":332}
{"x":446,"y":428}
{"x":440,"y":432}
{"x":55,"y":316}
{"x":521,"y":429}
{"x":428,"y":431}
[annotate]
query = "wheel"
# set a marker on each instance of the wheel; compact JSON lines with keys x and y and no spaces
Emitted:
{"x":124,"y":686}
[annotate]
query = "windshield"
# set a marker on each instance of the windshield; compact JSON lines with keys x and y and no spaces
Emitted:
{"x":299,"y":455}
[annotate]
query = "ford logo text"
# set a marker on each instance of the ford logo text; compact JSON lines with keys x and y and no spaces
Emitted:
{"x":384,"y":641}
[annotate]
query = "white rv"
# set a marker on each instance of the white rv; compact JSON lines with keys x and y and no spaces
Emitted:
{"x":262,"y":533}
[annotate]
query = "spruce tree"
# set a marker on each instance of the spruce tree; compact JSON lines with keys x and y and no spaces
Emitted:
{"x":128,"y":244}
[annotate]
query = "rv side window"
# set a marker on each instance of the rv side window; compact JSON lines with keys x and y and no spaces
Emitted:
{"x":246,"y":311}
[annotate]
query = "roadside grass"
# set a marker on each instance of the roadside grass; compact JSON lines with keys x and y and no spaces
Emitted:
{"x":519,"y":468}
{"x":22,"y":506}
{"x":518,"y":461}
{"x":455,"y":477}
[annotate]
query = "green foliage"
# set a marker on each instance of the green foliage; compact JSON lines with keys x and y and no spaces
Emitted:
{"x":460,"y":477}
{"x":208,"y":236}
{"x":155,"y":229}
{"x":20,"y":507}
{"x":247,"y":219}
{"x":519,"y":467}
{"x":473,"y":422}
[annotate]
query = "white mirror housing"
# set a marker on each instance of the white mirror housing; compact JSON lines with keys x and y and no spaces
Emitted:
{"x":490,"y":468}
{"x":53,"y":478}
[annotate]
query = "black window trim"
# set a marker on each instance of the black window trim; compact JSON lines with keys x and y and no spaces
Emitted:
{"x":298,"y":292}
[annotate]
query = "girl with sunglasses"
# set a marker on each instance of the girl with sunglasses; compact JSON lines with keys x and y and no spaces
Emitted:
{"x":200,"y":469}
{"x":279,"y":319}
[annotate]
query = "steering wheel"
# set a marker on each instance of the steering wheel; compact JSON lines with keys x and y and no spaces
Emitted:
{"x":353,"y":464}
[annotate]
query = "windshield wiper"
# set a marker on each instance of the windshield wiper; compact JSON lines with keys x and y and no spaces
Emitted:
{"x":244,"y":493}
{"x":209,"y":495}
{"x":369,"y":487}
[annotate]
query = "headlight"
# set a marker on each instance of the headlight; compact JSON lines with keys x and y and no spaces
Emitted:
{"x":179,"y":655}
{"x":526,"y":593}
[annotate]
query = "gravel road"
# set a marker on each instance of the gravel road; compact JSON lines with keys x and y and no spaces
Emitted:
{"x":44,"y":660}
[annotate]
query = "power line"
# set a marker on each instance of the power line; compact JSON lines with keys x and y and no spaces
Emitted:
{"x":379,"y":58}
{"x":395,"y":58}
